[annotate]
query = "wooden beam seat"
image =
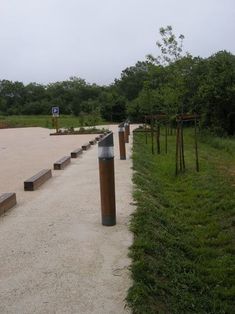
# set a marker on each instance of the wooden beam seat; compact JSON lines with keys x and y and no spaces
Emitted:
{"x":38,"y":179}
{"x":62,"y":163}
{"x":86,"y":146}
{"x":7,"y":201}
{"x":92,"y":142}
{"x":76,"y":153}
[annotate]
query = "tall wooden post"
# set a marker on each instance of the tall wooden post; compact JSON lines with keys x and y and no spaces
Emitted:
{"x":152,"y":134}
{"x":166,"y":138}
{"x":182,"y":145}
{"x":158,"y":139}
{"x":196,"y":146}
{"x":146,"y":134}
{"x":122,"y":146}
{"x":177,"y":151}
{"x":107,"y":181}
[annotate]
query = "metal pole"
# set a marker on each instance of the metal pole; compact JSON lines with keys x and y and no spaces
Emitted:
{"x":107,"y":181}
{"x":57,"y":124}
{"x":122,"y":146}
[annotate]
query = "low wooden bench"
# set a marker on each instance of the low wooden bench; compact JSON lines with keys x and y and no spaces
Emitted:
{"x":92,"y":142}
{"x":76,"y":153}
{"x":7,"y":201}
{"x":38,"y":179}
{"x":86,"y":146}
{"x":62,"y":163}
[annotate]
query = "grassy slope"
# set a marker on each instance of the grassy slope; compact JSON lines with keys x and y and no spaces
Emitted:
{"x":46,"y":121}
{"x":183,"y":252}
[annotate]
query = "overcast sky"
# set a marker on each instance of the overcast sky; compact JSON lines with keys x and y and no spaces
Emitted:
{"x":51,"y":40}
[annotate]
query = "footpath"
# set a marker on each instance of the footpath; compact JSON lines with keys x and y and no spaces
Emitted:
{"x":56,"y":257}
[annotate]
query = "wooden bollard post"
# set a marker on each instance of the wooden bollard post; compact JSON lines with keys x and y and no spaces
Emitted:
{"x":107,"y":182}
{"x":122,"y":146}
{"x":126,"y":132}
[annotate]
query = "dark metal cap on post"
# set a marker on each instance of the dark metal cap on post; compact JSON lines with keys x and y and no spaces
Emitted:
{"x":126,"y":132}
{"x":107,"y":181}
{"x":105,"y":147}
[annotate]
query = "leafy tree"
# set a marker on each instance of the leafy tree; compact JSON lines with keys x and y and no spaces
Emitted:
{"x":216,"y":93}
{"x":132,"y":80}
{"x":170,"y":46}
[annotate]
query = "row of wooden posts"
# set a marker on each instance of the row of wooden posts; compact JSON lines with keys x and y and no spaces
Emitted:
{"x":106,"y":170}
{"x":155,"y":122}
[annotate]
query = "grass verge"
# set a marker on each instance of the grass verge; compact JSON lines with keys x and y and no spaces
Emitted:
{"x":65,"y":121}
{"x":183,"y":250}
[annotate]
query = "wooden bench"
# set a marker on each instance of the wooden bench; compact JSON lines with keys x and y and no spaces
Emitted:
{"x":92,"y":142}
{"x":7,"y":201}
{"x":38,"y":179}
{"x":86,"y":146}
{"x":76,"y":153}
{"x":62,"y":163}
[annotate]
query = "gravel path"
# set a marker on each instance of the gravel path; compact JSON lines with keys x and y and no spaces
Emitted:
{"x":55,"y":256}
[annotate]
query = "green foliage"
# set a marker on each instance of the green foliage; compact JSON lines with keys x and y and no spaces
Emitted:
{"x":183,"y":250}
{"x":171,"y":49}
{"x":173,"y":82}
{"x":132,"y":80}
{"x":217,"y":93}
{"x":205,"y":86}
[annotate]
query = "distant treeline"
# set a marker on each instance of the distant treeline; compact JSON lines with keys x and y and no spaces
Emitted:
{"x":73,"y":96}
{"x":189,"y":84}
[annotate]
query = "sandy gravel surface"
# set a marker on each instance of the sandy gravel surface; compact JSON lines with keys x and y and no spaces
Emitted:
{"x":55,"y":256}
{"x":26,"y":151}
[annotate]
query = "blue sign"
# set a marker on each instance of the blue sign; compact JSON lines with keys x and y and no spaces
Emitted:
{"x":55,"y":111}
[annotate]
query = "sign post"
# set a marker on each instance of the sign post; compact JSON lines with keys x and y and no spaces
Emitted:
{"x":55,"y":117}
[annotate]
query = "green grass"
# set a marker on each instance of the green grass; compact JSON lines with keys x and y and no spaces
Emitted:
{"x":46,"y":121}
{"x":183,"y":250}
{"x":227,"y":144}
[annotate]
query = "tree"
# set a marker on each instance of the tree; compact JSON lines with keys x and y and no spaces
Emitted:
{"x":170,"y":46}
{"x":132,"y":80}
{"x":216,"y":93}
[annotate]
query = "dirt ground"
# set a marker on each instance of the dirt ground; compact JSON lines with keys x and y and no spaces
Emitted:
{"x":55,"y":256}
